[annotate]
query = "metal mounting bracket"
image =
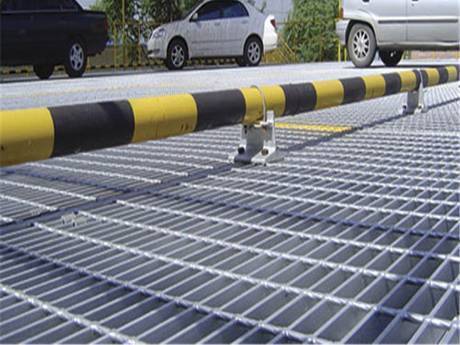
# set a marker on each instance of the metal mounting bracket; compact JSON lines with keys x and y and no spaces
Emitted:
{"x":416,"y":100}
{"x":258,"y":142}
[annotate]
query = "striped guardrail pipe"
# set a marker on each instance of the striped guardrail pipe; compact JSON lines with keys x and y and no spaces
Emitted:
{"x":36,"y":134}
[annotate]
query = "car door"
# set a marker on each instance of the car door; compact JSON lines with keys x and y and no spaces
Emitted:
{"x":390,"y":19}
{"x":433,"y":21}
{"x":205,"y":30}
{"x":235,"y":22}
{"x":17,"y":31}
{"x":50,"y":30}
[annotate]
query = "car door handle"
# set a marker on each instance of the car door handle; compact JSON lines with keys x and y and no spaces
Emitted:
{"x":216,"y":24}
{"x":245,"y":22}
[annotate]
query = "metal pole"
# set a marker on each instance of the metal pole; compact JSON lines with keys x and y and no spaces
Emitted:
{"x":339,"y":52}
{"x":28,"y":135}
{"x":123,"y":21}
{"x":115,"y":39}
{"x":339,"y":15}
{"x":139,"y":48}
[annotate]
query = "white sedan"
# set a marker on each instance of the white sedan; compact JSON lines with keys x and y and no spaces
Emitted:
{"x":216,"y":29}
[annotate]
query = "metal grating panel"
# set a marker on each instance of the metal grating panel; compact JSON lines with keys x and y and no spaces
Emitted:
{"x":353,"y":238}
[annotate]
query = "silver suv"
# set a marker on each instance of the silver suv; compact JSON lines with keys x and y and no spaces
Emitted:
{"x":392,"y":26}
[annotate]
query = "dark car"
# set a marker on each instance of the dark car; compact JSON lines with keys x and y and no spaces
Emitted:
{"x":46,"y":33}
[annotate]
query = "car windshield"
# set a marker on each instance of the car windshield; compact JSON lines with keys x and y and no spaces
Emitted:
{"x":189,"y":12}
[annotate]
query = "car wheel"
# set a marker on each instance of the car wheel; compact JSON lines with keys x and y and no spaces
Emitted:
{"x":76,"y":59}
{"x":362,"y":45}
{"x":177,"y":55}
{"x":241,"y":61}
{"x":43,"y":71}
{"x":391,"y":57}
{"x":253,"y":52}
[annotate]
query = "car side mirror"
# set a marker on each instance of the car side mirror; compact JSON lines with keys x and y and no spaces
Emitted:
{"x":194,"y":17}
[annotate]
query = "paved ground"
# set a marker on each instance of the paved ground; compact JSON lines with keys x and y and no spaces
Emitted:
{"x":101,"y":86}
{"x":354,"y":237}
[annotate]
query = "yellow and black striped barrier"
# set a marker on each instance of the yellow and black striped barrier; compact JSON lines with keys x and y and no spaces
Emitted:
{"x":36,"y":134}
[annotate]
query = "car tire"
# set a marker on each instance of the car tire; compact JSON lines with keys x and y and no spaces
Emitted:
{"x":241,"y":61}
{"x":177,"y":55}
{"x":76,"y":59}
{"x":391,"y":58}
{"x":44,"y":72}
{"x":253,"y":52}
{"x":362,"y":45}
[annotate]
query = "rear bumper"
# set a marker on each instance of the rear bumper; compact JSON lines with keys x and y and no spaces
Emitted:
{"x":341,"y":31}
{"x":96,"y":44}
{"x":270,"y":41}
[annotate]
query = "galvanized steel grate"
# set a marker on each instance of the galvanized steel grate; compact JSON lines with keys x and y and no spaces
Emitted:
{"x":353,"y":238}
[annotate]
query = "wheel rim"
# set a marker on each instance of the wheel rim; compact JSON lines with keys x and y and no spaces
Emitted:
{"x":77,"y":57}
{"x":393,"y":54}
{"x":254,"y":52}
{"x":361,"y":44}
{"x":178,"y":56}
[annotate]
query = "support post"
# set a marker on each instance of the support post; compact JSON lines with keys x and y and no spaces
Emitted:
{"x":258,"y":142}
{"x":416,"y":99}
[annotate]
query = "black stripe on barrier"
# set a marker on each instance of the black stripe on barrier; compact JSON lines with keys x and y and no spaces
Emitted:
{"x":354,"y":90}
{"x":443,"y":75}
{"x":418,"y":78}
{"x":89,"y":127}
{"x":300,"y":98}
{"x":392,"y":83}
{"x":424,"y":77}
{"x":220,"y":108}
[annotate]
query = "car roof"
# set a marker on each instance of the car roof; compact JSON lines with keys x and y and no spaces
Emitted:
{"x":249,"y":4}
{"x":246,"y":2}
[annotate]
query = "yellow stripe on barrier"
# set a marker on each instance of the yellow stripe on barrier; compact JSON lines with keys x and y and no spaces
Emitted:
{"x":375,"y":86}
{"x":329,"y":93}
{"x":254,"y":105}
{"x":453,"y":74}
{"x":26,"y":135}
{"x":433,"y":76}
{"x":162,"y":117}
{"x":408,"y":81}
{"x":275,"y":98}
{"x":313,"y":128}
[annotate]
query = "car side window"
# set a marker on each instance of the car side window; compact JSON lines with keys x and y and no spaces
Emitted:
{"x":49,"y":5}
{"x":210,"y":11}
{"x":234,"y":9}
{"x":69,"y":5}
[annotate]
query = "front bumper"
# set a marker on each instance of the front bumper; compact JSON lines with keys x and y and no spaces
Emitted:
{"x":156,"y":48}
{"x":341,"y":31}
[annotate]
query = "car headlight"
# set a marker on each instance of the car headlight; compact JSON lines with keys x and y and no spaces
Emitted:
{"x":159,"y":33}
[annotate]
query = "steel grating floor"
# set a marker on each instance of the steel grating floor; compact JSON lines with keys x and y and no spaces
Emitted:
{"x":353,"y":238}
